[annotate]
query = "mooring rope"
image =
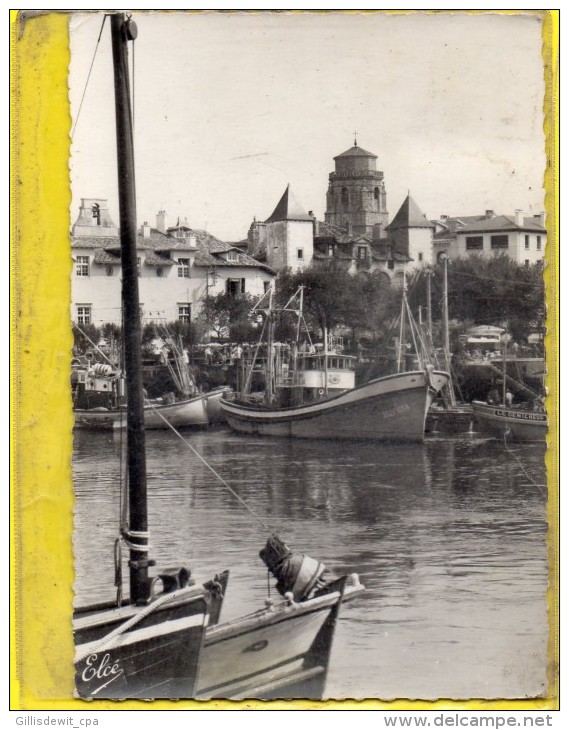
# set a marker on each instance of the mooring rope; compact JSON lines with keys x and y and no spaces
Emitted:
{"x":511,"y":451}
{"x":269,"y":529}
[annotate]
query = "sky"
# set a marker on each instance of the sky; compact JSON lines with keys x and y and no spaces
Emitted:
{"x":232,"y":107}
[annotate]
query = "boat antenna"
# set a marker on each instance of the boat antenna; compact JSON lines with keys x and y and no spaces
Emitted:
{"x":123,"y":30}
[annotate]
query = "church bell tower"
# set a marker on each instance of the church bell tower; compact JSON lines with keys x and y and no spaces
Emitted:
{"x":356,"y":197}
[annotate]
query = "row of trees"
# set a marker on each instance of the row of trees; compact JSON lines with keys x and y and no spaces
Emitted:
{"x":480,"y":291}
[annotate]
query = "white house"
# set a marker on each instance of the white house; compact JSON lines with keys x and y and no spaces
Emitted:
{"x":177,"y":269}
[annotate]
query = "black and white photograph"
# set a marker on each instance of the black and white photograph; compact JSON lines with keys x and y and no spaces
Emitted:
{"x":309,"y":369}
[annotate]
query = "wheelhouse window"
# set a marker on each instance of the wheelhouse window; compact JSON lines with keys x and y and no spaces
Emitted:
{"x":82,"y":266}
{"x":184,"y":312}
{"x":499,"y":242}
{"x":474,"y":243}
{"x":83,"y":314}
{"x":184,"y":268}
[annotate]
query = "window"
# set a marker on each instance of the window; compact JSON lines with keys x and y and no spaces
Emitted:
{"x":362,"y":252}
{"x":184,"y":312}
{"x":345,"y":198}
{"x":266,"y":286}
{"x":499,"y":242}
{"x":420,"y":256}
{"x":391,"y":264}
{"x":159,"y":271}
{"x":235,"y":287}
{"x":184,"y":268}
{"x":526,"y":241}
{"x":474,"y":243}
{"x":299,"y":254}
{"x":83,"y":314}
{"x":330,"y":249}
{"x":82,"y":266}
{"x":376,"y":193}
{"x":539,"y":243}
{"x":526,"y":262}
{"x":96,"y":211}
{"x":110,"y":270}
{"x":231,"y":256}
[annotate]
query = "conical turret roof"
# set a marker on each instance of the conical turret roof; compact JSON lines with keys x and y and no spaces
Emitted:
{"x":288,"y":209}
{"x":409,"y":216}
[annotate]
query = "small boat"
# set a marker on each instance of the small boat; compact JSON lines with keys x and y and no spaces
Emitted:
{"x":100,"y":390}
{"x":163,"y":637}
{"x":518,"y":423}
{"x":313,"y":395}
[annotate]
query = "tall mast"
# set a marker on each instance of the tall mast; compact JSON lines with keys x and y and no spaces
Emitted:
{"x":122,"y":31}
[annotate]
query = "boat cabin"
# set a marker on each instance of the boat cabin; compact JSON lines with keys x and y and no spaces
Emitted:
{"x":315,"y":375}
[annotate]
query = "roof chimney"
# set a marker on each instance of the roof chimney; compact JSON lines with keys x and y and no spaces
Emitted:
{"x":541,"y":218}
{"x":489,"y":214}
{"x":445,"y":217}
{"x":192,"y":242}
{"x":519,"y":217}
{"x":315,"y":226}
{"x":145,"y":230}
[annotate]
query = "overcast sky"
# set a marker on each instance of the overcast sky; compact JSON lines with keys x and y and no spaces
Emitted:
{"x":229,"y":108}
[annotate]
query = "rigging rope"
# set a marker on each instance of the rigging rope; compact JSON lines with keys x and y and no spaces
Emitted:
{"x":269,"y":529}
{"x":511,"y":451}
{"x":89,"y":75}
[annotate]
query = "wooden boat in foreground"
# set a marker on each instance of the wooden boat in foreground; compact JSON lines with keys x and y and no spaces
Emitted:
{"x":163,"y":639}
{"x":512,"y":422}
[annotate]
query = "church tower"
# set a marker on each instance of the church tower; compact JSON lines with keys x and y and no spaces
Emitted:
{"x":356,"y":197}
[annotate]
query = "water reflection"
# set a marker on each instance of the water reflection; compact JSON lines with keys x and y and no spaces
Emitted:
{"x":448,"y":537}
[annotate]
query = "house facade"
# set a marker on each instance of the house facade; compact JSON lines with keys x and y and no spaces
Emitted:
{"x":521,"y":238}
{"x":177,"y":267}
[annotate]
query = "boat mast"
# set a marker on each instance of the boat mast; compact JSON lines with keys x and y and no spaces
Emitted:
{"x":446,"y":341}
{"x":122,"y":31}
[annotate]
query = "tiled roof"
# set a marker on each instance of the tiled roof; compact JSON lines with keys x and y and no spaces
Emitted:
{"x":106,"y":257}
{"x":157,"y":246}
{"x":153,"y":258}
{"x":288,"y":209}
{"x":409,"y":216}
{"x":503,"y":223}
{"x":337,"y":233}
{"x":356,"y":151}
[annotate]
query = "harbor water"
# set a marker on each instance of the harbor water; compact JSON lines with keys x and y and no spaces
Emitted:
{"x":449,"y":538}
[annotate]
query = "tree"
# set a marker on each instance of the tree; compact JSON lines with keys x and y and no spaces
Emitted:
{"x":229,"y":317}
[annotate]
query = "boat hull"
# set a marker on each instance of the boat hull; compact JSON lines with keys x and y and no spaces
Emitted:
{"x":191,"y":412}
{"x":130,"y":652}
{"x":392,"y":408}
{"x":516,"y":424}
{"x":214,"y":410}
{"x":282,"y":652}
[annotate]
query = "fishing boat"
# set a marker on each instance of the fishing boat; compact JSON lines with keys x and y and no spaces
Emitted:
{"x":446,"y":415}
{"x":520,"y":423}
{"x":313,"y":394}
{"x":99,"y":398}
{"x":526,"y":421}
{"x":163,"y":637}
